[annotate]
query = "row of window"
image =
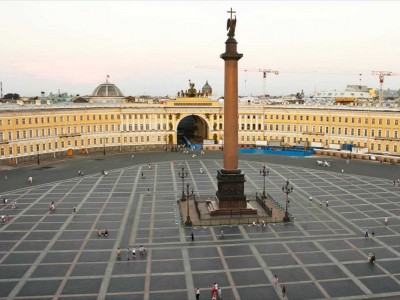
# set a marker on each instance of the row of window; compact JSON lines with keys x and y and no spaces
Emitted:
{"x":75,"y":143}
{"x":351,"y":120}
{"x":91,"y":117}
{"x":160,"y":139}
{"x":47,"y":132}
{"x":306,"y":128}
{"x":94,"y":117}
{"x":345,"y":131}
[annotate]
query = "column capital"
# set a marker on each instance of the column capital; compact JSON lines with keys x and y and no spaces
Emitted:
{"x":231,"y":50}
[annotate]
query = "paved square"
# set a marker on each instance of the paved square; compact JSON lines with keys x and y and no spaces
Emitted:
{"x":323,"y":254}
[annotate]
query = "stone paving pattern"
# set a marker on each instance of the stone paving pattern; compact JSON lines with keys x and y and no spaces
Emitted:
{"x":323,"y":254}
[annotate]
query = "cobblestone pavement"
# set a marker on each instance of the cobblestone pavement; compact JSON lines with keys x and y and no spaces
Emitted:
{"x":323,"y":254}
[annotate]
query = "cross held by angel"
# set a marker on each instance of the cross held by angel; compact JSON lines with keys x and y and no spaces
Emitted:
{"x":231,"y":24}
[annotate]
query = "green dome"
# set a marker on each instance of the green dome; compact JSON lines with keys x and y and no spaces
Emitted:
{"x":207,"y":88}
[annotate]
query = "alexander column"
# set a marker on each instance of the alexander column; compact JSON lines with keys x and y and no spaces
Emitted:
{"x":231,"y":180}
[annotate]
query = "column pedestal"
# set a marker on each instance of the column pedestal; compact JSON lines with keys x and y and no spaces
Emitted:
{"x":230,"y":192}
{"x":231,"y":199}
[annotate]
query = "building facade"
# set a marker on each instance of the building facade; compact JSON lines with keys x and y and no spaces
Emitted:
{"x":31,"y":131}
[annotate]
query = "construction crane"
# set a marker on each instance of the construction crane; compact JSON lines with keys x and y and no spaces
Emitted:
{"x":382,"y":75}
{"x":265,"y":72}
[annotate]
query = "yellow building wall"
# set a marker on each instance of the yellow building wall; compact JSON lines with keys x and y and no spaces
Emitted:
{"x":57,"y":128}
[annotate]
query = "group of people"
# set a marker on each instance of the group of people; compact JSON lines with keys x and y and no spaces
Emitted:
{"x":5,"y":219}
{"x":283,"y":287}
{"x":185,"y":150}
{"x":371,"y":256}
{"x":142,"y":252}
{"x":396,"y":182}
{"x":320,"y":202}
{"x":52,"y":206}
{"x":257,"y":223}
{"x":14,"y":205}
{"x":216,"y":292}
{"x":102,"y":232}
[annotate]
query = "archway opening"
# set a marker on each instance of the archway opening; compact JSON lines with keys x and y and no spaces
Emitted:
{"x":191,"y":131}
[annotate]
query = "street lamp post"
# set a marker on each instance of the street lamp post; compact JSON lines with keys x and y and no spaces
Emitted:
{"x":351,"y":147}
{"x":38,"y":154}
{"x":264,"y":172}
{"x":287,"y":189}
{"x":183,"y":175}
{"x":188,"y":194}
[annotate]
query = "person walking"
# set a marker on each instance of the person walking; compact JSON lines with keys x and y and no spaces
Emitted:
{"x":214,"y":294}
{"x":283,"y":290}
{"x":366,"y":232}
{"x":197,"y":292}
{"x":128,"y":252}
{"x":386,"y":221}
{"x":276,"y":279}
{"x":222,"y":237}
{"x":133,"y":253}
{"x":74,"y":209}
{"x":192,"y":236}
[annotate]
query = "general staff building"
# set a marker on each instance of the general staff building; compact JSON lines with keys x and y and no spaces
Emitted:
{"x":107,"y":122}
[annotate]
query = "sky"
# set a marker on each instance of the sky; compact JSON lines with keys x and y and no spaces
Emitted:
{"x":156,"y":47}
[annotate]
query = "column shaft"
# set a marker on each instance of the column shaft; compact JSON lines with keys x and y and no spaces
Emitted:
{"x":231,"y":115}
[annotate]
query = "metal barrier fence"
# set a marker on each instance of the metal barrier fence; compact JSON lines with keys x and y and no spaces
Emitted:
{"x":262,"y":203}
{"x":281,"y":207}
{"x":231,"y":221}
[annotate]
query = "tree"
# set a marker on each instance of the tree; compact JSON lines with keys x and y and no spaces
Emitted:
{"x":11,"y":96}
